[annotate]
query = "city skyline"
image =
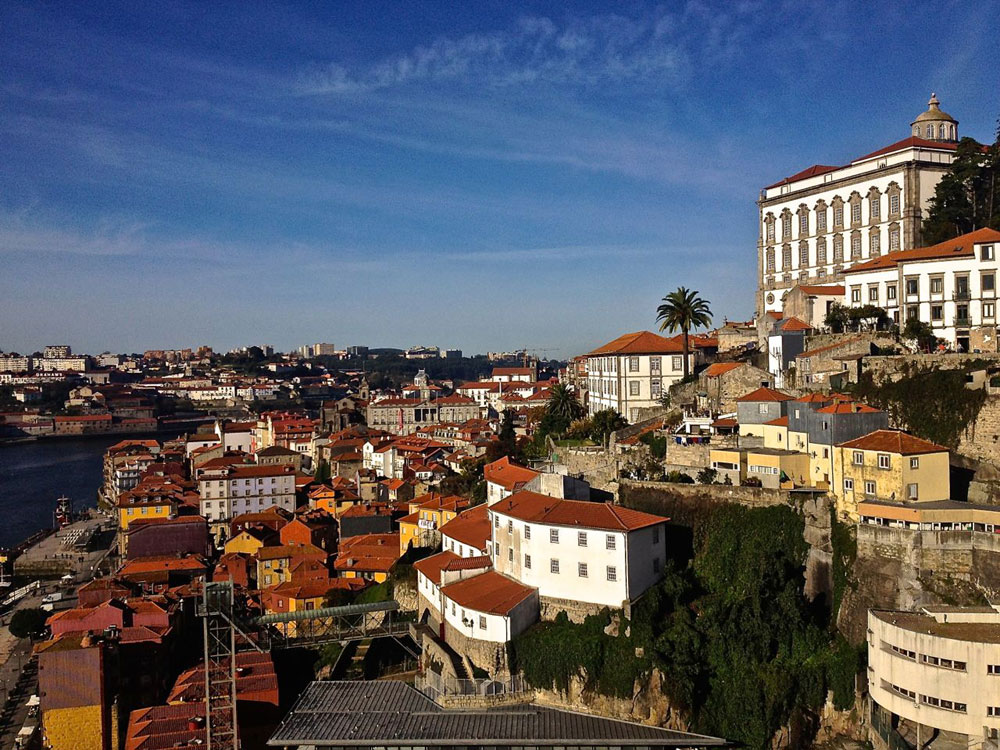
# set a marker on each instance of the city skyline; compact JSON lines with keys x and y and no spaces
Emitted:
{"x":487,"y":178}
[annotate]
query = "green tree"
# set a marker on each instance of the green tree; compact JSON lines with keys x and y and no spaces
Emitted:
{"x":604,"y":422}
{"x":837,"y":317}
{"x":968,"y":195}
{"x":869,"y":317}
{"x":920,"y":332}
{"x":563,"y":406}
{"x":322,"y":473}
{"x":25,"y":622}
{"x":683,"y":310}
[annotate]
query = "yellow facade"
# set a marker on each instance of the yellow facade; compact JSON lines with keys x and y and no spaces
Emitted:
{"x":408,"y":534}
{"x":245,"y":543}
{"x":272,"y":572}
{"x":728,"y":459}
{"x":877,"y":475}
{"x":78,"y":728}
{"x":129,"y":513}
{"x":775,"y":436}
{"x":775,"y":465}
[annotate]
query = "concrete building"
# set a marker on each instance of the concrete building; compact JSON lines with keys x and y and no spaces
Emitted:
{"x":235,"y":490}
{"x":934,"y":673}
{"x":758,"y":407}
{"x":810,"y":303}
{"x":820,"y":221}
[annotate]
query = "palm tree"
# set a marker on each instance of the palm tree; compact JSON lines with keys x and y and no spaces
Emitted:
{"x":683,"y":310}
{"x":563,"y":403}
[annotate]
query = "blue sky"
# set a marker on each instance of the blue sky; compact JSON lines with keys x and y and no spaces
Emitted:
{"x":482,"y":175}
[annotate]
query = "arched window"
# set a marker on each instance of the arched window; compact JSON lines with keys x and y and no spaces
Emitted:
{"x":893,"y":192}
{"x":893,"y":237}
{"x":942,"y":131}
{"x":874,"y":205}
{"x":786,"y":224}
{"x":838,"y":213}
{"x":874,"y":243}
{"x":820,"y":212}
{"x":803,"y":221}
{"x":838,"y":248}
{"x":855,"y":209}
{"x":803,"y":255}
{"x":786,"y":257}
{"x":769,"y":256}
{"x":930,"y":131}
{"x":769,"y":223}
{"x":821,"y":251}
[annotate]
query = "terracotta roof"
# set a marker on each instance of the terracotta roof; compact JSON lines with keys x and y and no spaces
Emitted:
{"x":847,"y":407}
{"x":958,"y":247}
{"x":725,"y":422}
{"x":469,"y":563}
{"x":765,"y":394}
{"x":641,"y":342}
{"x":368,"y":552}
{"x":536,"y":508}
{"x":471,"y":527}
{"x":455,"y":398}
{"x":779,"y":422}
{"x":721,"y":368}
{"x":432,"y":566}
{"x":281,"y":551}
{"x":508,"y":475}
{"x":814,"y":171}
{"x":893,"y":441}
{"x":139,"y":565}
{"x":814,"y":398}
{"x":835,"y":290}
{"x":794,"y":324}
{"x":490,"y":592}
{"x":911,"y":142}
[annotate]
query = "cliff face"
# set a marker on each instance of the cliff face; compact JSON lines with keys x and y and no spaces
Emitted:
{"x":648,"y":705}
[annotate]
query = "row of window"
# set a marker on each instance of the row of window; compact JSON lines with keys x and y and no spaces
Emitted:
{"x":822,"y":258}
{"x":582,"y":537}
{"x":936,"y":661}
{"x":610,"y":364}
{"x":871,"y":489}
{"x":820,"y":211}
{"x":610,"y":387}
{"x":882,"y":460}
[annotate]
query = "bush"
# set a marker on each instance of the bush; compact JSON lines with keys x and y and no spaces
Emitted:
{"x":678,"y":477}
{"x":708,"y":475}
{"x":27,"y":622}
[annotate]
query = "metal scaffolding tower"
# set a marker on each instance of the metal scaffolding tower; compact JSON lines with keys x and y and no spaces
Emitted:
{"x":216,"y":611}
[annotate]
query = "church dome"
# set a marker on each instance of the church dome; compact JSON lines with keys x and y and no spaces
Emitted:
{"x":935,"y":124}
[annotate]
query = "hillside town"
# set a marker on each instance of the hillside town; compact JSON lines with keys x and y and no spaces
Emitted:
{"x":417,"y":548}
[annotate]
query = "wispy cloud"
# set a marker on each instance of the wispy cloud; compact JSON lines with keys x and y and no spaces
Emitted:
{"x":601,"y":49}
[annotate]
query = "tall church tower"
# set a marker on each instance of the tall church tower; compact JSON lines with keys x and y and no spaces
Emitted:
{"x":934,"y":124}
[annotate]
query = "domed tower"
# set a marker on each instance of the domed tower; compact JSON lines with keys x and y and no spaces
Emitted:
{"x":935,"y":125}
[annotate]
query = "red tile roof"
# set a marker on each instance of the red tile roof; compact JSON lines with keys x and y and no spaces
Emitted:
{"x":507,"y":474}
{"x":641,"y":342}
{"x":432,"y":566}
{"x":814,"y":171}
{"x":958,"y":247}
{"x":847,"y":407}
{"x":814,"y":398}
{"x":779,"y":422}
{"x":835,"y":290}
{"x":471,"y":527}
{"x":893,"y":441}
{"x":765,"y":394}
{"x":725,"y":422}
{"x":536,"y":508}
{"x":911,"y":142}
{"x":794,"y":324}
{"x":490,"y":593}
{"x":721,"y":368}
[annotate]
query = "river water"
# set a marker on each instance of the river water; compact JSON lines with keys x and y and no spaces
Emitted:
{"x":33,"y":475}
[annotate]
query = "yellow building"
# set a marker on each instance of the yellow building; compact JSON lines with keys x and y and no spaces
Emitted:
{"x":889,"y":465}
{"x":274,"y":563}
{"x":128,"y":512}
{"x":776,"y":433}
{"x":428,"y":513}
{"x":248,"y":541}
{"x":777,"y":468}
{"x":729,"y":462}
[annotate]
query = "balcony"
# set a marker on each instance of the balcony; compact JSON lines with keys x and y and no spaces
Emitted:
{"x":961,"y":294}
{"x":962,"y":322}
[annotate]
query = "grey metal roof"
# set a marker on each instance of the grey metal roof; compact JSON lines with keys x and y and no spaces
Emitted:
{"x":313,"y":614}
{"x":393,"y":714}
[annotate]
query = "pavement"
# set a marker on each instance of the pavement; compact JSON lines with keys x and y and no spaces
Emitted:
{"x":59,"y":550}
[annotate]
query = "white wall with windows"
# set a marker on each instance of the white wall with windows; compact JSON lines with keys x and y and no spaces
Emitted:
{"x":950,"y":294}
{"x":629,"y":383}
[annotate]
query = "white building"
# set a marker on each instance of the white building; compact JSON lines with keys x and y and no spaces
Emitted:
{"x":578,"y":552}
{"x":820,"y":221}
{"x":952,"y":286}
{"x":14,"y":363}
{"x":937,"y":670}
{"x":246,"y":489}
{"x":633,"y":372}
